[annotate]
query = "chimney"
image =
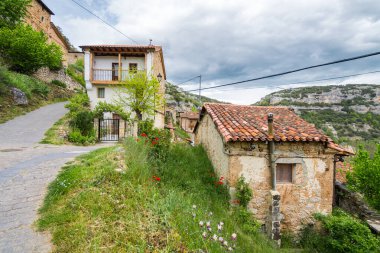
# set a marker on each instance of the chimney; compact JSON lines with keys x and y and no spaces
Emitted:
{"x":270,"y":125}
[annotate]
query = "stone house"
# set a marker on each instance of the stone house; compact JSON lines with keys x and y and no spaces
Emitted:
{"x":187,"y":121}
{"x":288,"y":163}
{"x":105,"y":66}
{"x":39,"y":17}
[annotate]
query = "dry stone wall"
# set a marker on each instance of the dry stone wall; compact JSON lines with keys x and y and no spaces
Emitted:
{"x":47,"y":75}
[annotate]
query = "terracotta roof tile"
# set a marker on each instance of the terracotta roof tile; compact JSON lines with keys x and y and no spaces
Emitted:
{"x":247,"y":123}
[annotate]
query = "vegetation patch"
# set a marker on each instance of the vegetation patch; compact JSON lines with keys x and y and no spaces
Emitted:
{"x":57,"y":134}
{"x":131,"y":200}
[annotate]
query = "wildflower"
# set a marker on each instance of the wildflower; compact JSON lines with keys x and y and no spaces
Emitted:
{"x":144,"y":135}
{"x":233,"y":236}
{"x":208,"y":224}
{"x":154,"y":143}
{"x":204,"y":234}
{"x":215,"y":237}
{"x":219,"y":227}
{"x":221,"y":223}
{"x":156,"y":139}
{"x":230,"y":249}
{"x":201,"y":223}
{"x":210,"y":213}
{"x":209,"y":229}
{"x":156,"y":178}
{"x":194,"y":206}
{"x":225,"y":243}
{"x":221,"y":240}
{"x":194,"y":215}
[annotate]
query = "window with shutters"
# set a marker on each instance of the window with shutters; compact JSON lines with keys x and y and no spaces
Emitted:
{"x":284,"y":172}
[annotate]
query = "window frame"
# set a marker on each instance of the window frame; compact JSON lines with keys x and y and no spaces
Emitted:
{"x":104,"y":92}
{"x":292,"y":174}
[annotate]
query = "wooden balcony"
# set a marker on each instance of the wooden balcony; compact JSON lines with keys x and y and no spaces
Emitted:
{"x":110,"y":76}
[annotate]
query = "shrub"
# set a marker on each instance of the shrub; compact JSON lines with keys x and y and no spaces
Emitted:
{"x":243,"y":192}
{"x":30,"y":51}
{"x":84,"y":122}
{"x":75,"y":136}
{"x":59,"y":83}
{"x":103,"y":107}
{"x":365,"y":176}
{"x":159,"y":140}
{"x":78,"y":103}
{"x":340,"y":233}
{"x":75,"y":71}
{"x":12,"y":12}
{"x":145,"y":126}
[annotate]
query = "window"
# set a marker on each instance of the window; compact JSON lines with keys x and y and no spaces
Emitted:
{"x":101,"y":92}
{"x":115,"y":71}
{"x":284,"y":172}
{"x":132,"y":67}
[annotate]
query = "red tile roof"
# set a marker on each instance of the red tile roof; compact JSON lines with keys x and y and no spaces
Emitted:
{"x":250,"y":123}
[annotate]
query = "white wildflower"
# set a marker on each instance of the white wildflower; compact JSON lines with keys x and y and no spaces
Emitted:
{"x":221,"y":239}
{"x":221,"y":223}
{"x":230,"y":249}
{"x":208,"y":224}
{"x":204,"y":234}
{"x":225,"y":243}
{"x":215,"y":237}
{"x":201,"y":223}
{"x":209,"y":229}
{"x":219,"y":227}
{"x":233,"y":236}
{"x":194,"y":206}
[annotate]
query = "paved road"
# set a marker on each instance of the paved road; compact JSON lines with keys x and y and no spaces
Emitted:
{"x":26,"y":169}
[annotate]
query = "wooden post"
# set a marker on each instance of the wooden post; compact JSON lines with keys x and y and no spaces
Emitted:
{"x":91,"y":66}
{"x":119,"y":67}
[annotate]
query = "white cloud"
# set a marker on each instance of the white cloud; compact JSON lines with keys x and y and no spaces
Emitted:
{"x":233,"y":40}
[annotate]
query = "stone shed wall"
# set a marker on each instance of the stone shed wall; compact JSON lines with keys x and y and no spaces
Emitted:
{"x":310,"y":192}
{"x":207,"y":135}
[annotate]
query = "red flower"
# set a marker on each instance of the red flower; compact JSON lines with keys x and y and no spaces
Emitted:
{"x":144,"y":135}
{"x":154,"y":143}
{"x":156,"y":178}
{"x":156,"y":138}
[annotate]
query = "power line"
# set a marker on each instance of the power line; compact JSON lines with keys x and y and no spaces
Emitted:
{"x":189,"y":80}
{"x":310,"y":81}
{"x":105,"y":22}
{"x":292,"y":71}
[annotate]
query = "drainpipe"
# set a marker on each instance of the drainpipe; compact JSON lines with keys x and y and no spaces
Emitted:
{"x":272,"y":164}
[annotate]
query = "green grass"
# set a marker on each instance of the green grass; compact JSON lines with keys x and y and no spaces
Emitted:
{"x":52,"y":134}
{"x":92,"y":207}
{"x":37,"y":92}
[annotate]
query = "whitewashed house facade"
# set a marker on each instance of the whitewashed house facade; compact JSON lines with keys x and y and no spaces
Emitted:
{"x":105,"y":66}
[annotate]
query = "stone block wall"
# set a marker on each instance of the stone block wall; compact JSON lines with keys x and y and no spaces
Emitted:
{"x":273,"y":223}
{"x":353,"y":203}
{"x":46,"y":75}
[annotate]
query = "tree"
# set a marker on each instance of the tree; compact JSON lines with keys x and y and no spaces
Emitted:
{"x":365,"y":176}
{"x":140,"y":93}
{"x":12,"y":12}
{"x":26,"y":50}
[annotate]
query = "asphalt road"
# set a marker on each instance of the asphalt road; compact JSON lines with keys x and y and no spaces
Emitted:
{"x":26,"y":169}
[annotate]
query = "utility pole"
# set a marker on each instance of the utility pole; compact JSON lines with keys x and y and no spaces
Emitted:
{"x":200,"y":87}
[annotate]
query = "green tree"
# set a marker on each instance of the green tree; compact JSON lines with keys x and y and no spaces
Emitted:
{"x":141,"y":93}
{"x":12,"y":12}
{"x":26,"y":50}
{"x":365,"y":176}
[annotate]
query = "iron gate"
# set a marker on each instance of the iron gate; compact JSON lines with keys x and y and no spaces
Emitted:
{"x":109,"y":129}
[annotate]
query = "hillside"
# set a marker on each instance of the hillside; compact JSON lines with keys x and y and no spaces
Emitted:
{"x":180,"y":100}
{"x":345,"y":112}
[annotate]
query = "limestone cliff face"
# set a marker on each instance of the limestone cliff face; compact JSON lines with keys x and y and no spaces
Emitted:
{"x":351,"y":110}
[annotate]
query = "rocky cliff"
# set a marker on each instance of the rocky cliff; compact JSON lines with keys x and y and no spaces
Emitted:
{"x":345,"y":112}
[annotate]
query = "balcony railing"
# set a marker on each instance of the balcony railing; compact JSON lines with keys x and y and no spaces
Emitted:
{"x":109,"y":75}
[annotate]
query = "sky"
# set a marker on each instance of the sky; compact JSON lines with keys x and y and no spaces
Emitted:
{"x":229,"y":41}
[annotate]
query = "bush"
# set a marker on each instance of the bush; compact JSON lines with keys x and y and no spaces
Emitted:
{"x":75,"y":71}
{"x":365,"y":176}
{"x":84,"y":122}
{"x":243,"y":192}
{"x":30,"y":51}
{"x":75,"y":136}
{"x":12,"y":12}
{"x":78,"y":103}
{"x":59,"y":83}
{"x":340,"y":233}
{"x":145,"y":126}
{"x":159,"y":140}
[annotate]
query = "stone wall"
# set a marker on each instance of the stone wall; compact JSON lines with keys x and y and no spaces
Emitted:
{"x":310,"y":192}
{"x":46,"y":75}
{"x":353,"y":203}
{"x":38,"y":17}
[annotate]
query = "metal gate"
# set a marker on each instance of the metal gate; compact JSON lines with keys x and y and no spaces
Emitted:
{"x":109,"y":129}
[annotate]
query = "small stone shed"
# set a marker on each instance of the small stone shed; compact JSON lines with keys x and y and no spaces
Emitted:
{"x":288,"y":163}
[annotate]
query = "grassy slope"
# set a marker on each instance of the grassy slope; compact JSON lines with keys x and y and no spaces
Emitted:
{"x":37,"y":92}
{"x":91,"y":207}
{"x":52,"y":135}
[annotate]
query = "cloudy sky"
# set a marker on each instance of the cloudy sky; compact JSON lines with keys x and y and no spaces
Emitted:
{"x":228,"y":41}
